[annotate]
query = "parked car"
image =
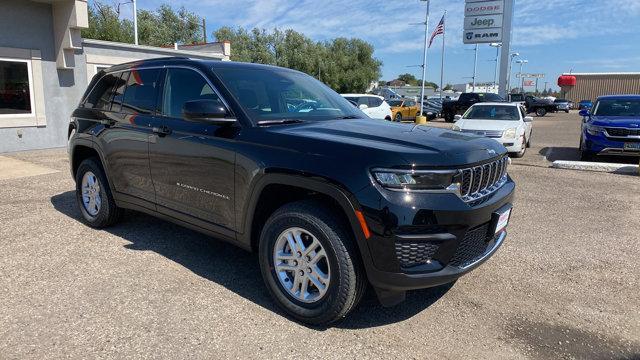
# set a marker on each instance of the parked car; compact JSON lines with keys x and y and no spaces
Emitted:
{"x":453,"y":107}
{"x":517,"y":98}
{"x":404,"y":109}
{"x":373,"y":105}
{"x":507,"y":123}
{"x":563,"y":105}
{"x":329,"y":199}
{"x":432,"y":107}
{"x":539,"y":106}
{"x":585,"y":104}
{"x":612,"y":127}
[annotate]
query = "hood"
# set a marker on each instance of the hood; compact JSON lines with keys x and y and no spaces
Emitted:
{"x":620,"y":121}
{"x":384,"y":143}
{"x":487,"y":124}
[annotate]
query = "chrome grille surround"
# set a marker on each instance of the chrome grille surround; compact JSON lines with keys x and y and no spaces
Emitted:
{"x":485,"y":133}
{"x":482,"y":180}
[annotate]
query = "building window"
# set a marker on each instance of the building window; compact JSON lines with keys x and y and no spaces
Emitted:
{"x":16,"y":88}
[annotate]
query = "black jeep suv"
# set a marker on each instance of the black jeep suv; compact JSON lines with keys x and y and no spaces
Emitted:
{"x":274,"y":161}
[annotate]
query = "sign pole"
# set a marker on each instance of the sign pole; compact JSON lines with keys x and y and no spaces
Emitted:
{"x":475,"y":67}
{"x":424,"y":58}
{"x":442,"y":60}
{"x":506,"y":47}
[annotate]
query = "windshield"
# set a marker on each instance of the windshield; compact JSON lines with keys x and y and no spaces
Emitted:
{"x":394,"y":102}
{"x":274,"y":94}
{"x":560,"y":101}
{"x":517,"y":97}
{"x":617,"y":108}
{"x":492,"y":112}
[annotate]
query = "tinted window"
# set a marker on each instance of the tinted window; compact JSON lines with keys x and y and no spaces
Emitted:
{"x":182,"y":85}
{"x":620,"y":107}
{"x":100,"y":97}
{"x":517,"y":97}
{"x":374,"y":101}
{"x":140,"y":95}
{"x":121,"y":85}
{"x":272,"y":94}
{"x":395,"y":102}
{"x":492,"y":112}
{"x":493,"y":97}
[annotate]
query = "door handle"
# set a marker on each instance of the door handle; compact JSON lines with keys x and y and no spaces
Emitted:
{"x":161,"y":130}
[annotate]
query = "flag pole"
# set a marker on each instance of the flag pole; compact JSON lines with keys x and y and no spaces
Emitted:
{"x":444,"y":31}
{"x":424,"y":58}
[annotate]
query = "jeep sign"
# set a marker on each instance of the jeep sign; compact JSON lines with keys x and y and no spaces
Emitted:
{"x":483,"y":8}
{"x":482,"y":36}
{"x":482,"y":22}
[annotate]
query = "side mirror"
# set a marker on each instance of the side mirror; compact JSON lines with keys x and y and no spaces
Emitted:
{"x":207,"y":111}
{"x":362,"y":106}
{"x":584,"y":112}
{"x":528,"y":119}
{"x":457,"y":117}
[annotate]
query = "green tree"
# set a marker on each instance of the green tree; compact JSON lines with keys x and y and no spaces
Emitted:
{"x":408,"y":79}
{"x":161,"y":27}
{"x":346,"y":65}
{"x":448,"y":87}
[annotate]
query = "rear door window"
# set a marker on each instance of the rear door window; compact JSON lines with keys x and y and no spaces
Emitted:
{"x":374,"y":101}
{"x":100,"y":96}
{"x":140,"y":94}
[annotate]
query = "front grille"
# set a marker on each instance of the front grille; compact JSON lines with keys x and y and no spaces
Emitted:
{"x":473,"y":246}
{"x":622,"y":132}
{"x":486,"y":133}
{"x":479,"y":181}
{"x":414,"y":253}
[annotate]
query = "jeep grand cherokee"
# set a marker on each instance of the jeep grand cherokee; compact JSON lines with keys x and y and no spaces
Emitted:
{"x":331,"y":200}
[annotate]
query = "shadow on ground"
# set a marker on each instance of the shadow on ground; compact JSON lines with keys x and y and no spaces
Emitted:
{"x":220,"y":262}
{"x":573,"y":154}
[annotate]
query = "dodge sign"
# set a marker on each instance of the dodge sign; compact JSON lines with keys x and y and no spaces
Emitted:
{"x":483,"y":8}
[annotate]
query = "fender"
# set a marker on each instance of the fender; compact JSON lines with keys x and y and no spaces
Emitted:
{"x":347,"y":202}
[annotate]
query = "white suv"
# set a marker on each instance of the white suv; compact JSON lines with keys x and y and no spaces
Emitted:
{"x":372,"y":105}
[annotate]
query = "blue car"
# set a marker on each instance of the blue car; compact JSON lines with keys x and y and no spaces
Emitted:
{"x":585,"y":104}
{"x":611,"y":127}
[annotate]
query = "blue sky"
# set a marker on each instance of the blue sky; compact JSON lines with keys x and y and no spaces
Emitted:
{"x":554,"y":35}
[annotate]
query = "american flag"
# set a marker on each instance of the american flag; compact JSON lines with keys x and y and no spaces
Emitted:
{"x":437,"y":31}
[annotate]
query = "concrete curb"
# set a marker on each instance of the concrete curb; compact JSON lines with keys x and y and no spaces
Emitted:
{"x":627,"y":169}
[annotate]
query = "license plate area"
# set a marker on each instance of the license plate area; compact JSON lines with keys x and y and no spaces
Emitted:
{"x":633,"y":146}
{"x":501,"y":218}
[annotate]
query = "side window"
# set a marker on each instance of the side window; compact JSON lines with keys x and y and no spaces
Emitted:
{"x":182,"y":85}
{"x":100,"y":96}
{"x":140,"y":94}
{"x":121,"y":85}
{"x":362,"y":100}
{"x":374,"y":101}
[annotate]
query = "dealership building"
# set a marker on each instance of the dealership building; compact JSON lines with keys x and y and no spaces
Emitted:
{"x":45,"y":67}
{"x":588,"y":86}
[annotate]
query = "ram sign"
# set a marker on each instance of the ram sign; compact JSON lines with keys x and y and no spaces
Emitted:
{"x":482,"y":36}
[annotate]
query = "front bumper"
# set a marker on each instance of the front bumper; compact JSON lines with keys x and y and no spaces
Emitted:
{"x":425,"y":240}
{"x":600,"y":144}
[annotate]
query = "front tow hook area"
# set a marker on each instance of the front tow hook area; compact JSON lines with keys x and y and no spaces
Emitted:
{"x":390,"y":298}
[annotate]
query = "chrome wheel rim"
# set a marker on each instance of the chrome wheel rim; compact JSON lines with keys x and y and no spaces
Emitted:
{"x":91,"y":199}
{"x":301,"y":265}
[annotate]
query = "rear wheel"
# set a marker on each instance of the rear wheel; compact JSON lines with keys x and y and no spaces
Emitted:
{"x":310,"y":264}
{"x":541,"y":111}
{"x":94,"y":197}
{"x":398,"y":117}
{"x":448,"y":117}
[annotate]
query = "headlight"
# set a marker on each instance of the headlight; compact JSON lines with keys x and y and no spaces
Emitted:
{"x":456,"y":128}
{"x":594,"y":130}
{"x":510,"y":133}
{"x":416,"y":180}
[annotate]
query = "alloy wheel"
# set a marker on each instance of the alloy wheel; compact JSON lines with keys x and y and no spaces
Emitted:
{"x":91,"y":199}
{"x":301,"y":265}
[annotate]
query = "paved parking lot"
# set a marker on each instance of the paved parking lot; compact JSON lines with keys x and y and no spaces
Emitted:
{"x":564,"y":285}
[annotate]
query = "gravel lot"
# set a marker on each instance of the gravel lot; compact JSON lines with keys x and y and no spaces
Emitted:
{"x":564,"y":285}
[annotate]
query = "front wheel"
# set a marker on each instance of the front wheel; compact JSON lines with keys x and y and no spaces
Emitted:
{"x":398,"y":117}
{"x":523,"y":149}
{"x":541,"y":112}
{"x":310,"y":263}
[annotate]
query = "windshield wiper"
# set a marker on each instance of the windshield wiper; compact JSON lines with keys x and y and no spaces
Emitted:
{"x":279,"y":122}
{"x":346,"y":117}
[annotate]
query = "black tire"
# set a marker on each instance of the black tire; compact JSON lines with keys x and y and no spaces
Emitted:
{"x":108,"y":213}
{"x":398,"y":117}
{"x":567,"y":111}
{"x":348,"y":281}
{"x":541,"y":111}
{"x":448,"y":117}
{"x":529,"y":140}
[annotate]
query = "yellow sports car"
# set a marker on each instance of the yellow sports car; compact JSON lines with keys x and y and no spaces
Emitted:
{"x":403,"y":109}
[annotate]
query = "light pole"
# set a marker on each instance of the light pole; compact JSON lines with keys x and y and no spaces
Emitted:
{"x":475,"y":67}
{"x":512,"y":56}
{"x":135,"y":18}
{"x":521,"y":62}
{"x":424,"y":57}
{"x":495,"y":73}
